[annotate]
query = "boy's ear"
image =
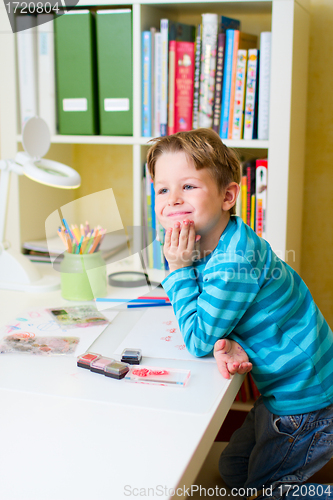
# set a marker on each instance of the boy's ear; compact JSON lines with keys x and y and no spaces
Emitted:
{"x":230,"y":196}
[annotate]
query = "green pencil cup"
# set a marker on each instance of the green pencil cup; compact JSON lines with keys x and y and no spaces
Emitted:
{"x":83,"y":277}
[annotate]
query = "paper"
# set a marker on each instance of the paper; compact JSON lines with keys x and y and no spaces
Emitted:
{"x":157,"y":334}
{"x":38,"y":323}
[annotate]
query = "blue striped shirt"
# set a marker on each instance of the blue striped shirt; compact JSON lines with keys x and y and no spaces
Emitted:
{"x":243,"y":291}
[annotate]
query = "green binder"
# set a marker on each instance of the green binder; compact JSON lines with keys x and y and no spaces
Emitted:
{"x":114,"y":63}
{"x":76,"y":73}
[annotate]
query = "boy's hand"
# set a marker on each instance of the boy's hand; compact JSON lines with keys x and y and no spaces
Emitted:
{"x":179,"y":245}
{"x":231,"y":358}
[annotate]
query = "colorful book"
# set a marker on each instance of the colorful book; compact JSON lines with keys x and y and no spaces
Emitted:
{"x":250,"y":166}
{"x":146,"y":84}
{"x":261,"y":197}
{"x":264,"y":85}
{"x":218,"y":81}
{"x":157,"y":83}
{"x":242,"y":41}
{"x":46,"y":75}
{"x":208,"y":69}
{"x":237,"y":124}
{"x":172,"y":87}
{"x":244,"y":195}
{"x":170,"y":30}
{"x":251,"y":96}
{"x":76,"y":72}
{"x":115,"y":87}
{"x":184,"y":85}
{"x":152,"y":72}
{"x":27,"y":66}
{"x":226,"y":89}
{"x":196,"y":91}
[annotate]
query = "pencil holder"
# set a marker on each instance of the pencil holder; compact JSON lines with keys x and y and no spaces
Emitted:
{"x":83,"y":277}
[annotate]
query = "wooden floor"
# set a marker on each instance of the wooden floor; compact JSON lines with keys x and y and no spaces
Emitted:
{"x":209,"y":477}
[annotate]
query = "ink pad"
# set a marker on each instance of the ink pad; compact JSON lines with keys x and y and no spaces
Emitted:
{"x":116,"y":370}
{"x":131,"y":356}
{"x":99,"y":364}
{"x":86,"y":359}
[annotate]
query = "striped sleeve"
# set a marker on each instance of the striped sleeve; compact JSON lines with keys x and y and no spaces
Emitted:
{"x":206,"y":315}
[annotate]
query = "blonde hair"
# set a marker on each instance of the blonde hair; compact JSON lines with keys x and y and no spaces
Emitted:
{"x":204,"y":147}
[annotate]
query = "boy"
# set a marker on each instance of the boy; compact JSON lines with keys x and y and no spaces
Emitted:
{"x":236,"y":287}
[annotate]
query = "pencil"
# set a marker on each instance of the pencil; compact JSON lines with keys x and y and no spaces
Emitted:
{"x":130,"y":306}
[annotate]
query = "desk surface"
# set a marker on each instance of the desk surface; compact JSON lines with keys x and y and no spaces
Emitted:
{"x":69,"y":434}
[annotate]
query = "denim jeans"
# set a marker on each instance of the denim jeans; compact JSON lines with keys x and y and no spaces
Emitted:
{"x":274,"y":455}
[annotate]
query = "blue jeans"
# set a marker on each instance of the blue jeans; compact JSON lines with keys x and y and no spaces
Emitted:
{"x":274,"y":455}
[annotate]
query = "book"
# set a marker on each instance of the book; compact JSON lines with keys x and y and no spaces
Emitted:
{"x":244,"y":193}
{"x":152,"y":72}
{"x":146,"y":84}
{"x":251,"y":96}
{"x":170,"y":31}
{"x":115,"y":82}
{"x":237,"y":124}
{"x":218,"y":81}
{"x":261,"y":197}
{"x":172,"y":87}
{"x":229,"y":23}
{"x":242,"y":41}
{"x":264,"y":85}
{"x":76,"y":72}
{"x":46,"y":74}
{"x":184,"y":86}
{"x":226,"y":89}
{"x":26,"y":37}
{"x":196,"y":90}
{"x":208,"y":69}
{"x":157,"y":83}
{"x":250,"y":167}
{"x":164,"y":76}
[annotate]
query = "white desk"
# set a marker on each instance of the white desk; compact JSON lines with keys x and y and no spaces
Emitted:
{"x":69,"y":434}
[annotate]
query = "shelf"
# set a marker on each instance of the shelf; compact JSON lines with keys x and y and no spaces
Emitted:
{"x":130,"y":140}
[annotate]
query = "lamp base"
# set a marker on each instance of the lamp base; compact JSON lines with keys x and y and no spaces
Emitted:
{"x":18,"y":273}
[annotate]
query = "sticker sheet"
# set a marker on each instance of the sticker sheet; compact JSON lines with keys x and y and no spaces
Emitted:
{"x":38,"y":332}
{"x":158,"y":335}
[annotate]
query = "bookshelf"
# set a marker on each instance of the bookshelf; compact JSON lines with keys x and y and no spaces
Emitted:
{"x":289,"y":22}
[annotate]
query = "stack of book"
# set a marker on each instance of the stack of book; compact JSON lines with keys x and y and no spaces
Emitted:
{"x":208,"y":75}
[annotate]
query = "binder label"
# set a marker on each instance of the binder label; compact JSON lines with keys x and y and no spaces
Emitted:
{"x":75,"y":104}
{"x":116,"y":104}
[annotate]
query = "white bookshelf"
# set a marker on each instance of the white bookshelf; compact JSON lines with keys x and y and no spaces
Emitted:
{"x":289,"y":22}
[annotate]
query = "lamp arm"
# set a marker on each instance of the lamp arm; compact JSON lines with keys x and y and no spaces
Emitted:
{"x":6,"y":167}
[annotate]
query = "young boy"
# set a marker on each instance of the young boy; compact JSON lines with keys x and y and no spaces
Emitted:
{"x":235,"y":287}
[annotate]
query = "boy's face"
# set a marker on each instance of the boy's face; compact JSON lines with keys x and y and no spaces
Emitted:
{"x":182,"y":192}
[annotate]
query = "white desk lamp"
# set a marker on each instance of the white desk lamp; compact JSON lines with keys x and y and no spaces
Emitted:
{"x":16,"y":271}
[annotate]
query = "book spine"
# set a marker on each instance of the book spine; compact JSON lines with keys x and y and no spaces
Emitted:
{"x":253,"y":211}
{"x":233,"y":82}
{"x":229,"y":45}
{"x":172,"y":83}
{"x":164,"y":85}
{"x":237,"y":124}
{"x":150,"y":236}
{"x":261,"y":196}
{"x":152,"y":70}
{"x":197,"y":78}
{"x":251,"y":92}
{"x":46,"y":74}
{"x":218,"y":81}
{"x":208,"y":68}
{"x":264,"y":85}
{"x":184,"y":79}
{"x":27,"y":67}
{"x":158,"y":84}
{"x":146,"y":84}
{"x":244,"y":197}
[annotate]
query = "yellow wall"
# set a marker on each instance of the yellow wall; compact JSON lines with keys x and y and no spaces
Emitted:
{"x":317,"y":230}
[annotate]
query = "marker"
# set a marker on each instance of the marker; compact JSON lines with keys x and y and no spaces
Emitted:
{"x":154,"y":304}
{"x":140,"y":301}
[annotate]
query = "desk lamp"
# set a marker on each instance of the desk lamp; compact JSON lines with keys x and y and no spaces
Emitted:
{"x":16,"y":271}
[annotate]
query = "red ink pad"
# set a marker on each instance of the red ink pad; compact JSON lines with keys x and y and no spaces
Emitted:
{"x":85,"y":360}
